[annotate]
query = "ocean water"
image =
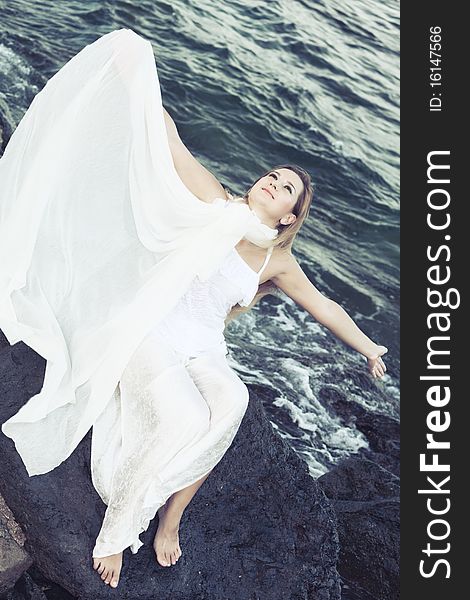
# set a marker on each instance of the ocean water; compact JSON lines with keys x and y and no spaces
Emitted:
{"x":252,"y":84}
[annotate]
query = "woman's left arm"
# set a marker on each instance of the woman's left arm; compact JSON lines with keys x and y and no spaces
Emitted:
{"x":292,"y":281}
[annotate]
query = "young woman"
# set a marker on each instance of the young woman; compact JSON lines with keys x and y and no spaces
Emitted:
{"x":121,"y":260}
{"x":181,"y":366}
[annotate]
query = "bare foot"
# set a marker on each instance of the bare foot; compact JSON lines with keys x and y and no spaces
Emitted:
{"x":109,"y":568}
{"x":166,"y":542}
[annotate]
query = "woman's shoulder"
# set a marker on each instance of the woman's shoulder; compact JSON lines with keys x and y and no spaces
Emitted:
{"x":282,"y":256}
{"x":280,"y":262}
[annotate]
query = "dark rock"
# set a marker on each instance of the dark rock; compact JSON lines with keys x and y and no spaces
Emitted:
{"x":260,"y":526}
{"x":26,"y":589}
{"x":366,"y":500}
{"x":14,"y":560}
{"x":9,"y":526}
{"x":382,"y":432}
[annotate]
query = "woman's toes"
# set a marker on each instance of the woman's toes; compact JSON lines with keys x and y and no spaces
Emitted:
{"x":109,"y":569}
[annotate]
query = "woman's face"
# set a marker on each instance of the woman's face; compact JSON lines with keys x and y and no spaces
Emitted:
{"x":274,"y":196}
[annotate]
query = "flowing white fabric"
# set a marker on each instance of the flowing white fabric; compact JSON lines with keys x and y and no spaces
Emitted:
{"x":99,"y":237}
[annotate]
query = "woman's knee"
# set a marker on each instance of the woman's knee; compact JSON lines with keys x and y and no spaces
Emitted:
{"x":196,"y":415}
{"x":220,"y":385}
{"x":236,"y":395}
{"x":180,"y":401}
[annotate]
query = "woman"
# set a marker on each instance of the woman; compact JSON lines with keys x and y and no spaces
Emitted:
{"x":281,"y":198}
{"x":121,"y":256}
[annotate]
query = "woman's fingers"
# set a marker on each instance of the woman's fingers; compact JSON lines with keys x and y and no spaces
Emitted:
{"x":382,"y":364}
{"x":377,"y":370}
{"x":376,"y":364}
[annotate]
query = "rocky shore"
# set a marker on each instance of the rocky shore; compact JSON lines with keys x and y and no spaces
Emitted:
{"x":260,"y":526}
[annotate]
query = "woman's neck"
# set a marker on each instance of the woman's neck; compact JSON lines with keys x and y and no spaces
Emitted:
{"x":243,"y":200}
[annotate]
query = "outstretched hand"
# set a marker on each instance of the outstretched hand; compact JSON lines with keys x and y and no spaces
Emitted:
{"x":375,"y":363}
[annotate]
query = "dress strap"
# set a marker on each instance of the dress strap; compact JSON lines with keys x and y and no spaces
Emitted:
{"x":266,"y":260}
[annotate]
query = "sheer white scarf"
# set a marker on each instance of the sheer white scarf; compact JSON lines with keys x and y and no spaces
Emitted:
{"x":99,"y":237}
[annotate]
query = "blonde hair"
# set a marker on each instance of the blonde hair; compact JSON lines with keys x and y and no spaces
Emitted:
{"x":286,"y":233}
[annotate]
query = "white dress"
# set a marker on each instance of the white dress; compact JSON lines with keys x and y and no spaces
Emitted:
{"x":196,"y":324}
{"x":176,"y":410}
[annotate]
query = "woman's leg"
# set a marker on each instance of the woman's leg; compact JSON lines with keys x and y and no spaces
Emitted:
{"x":161,"y":412}
{"x":166,"y":542}
{"x":195,"y":411}
{"x":227,"y":398}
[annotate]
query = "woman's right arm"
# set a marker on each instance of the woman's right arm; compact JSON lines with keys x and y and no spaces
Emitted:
{"x":292,"y":280}
{"x":199,"y":180}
